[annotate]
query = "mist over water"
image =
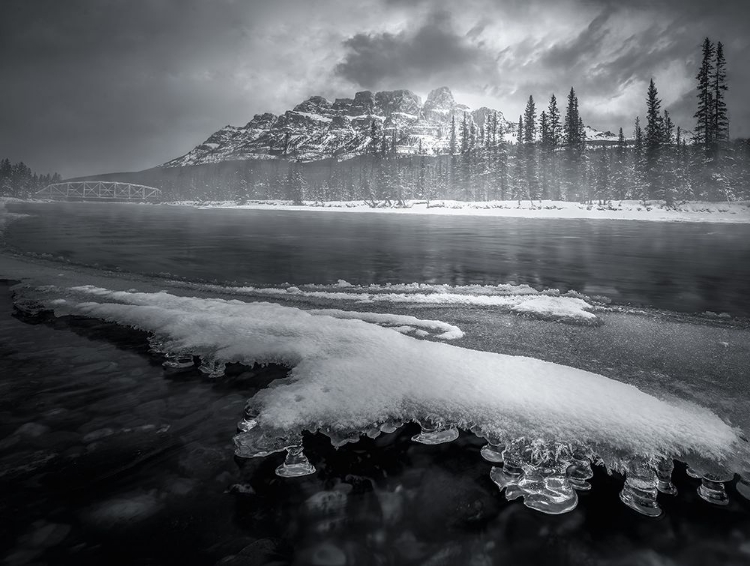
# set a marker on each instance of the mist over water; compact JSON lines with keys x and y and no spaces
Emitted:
{"x":684,"y":267}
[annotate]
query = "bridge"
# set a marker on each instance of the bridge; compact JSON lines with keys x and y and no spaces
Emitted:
{"x":99,"y":190}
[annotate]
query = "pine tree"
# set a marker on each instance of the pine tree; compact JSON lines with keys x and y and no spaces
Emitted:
{"x":452,"y":146}
{"x":465,"y":134}
{"x":519,"y":136}
{"x":704,"y":126}
{"x":544,"y":133}
{"x":654,"y":126}
{"x":720,"y":120}
{"x":668,"y":129}
{"x":529,"y":120}
{"x":571,"y":127}
{"x":638,"y":135}
{"x":554,"y":122}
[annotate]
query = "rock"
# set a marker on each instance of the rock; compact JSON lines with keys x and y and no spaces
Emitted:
{"x":98,"y":435}
{"x":327,"y":554}
{"x":453,"y":500}
{"x":45,"y":535}
{"x":326,"y":503}
{"x":32,"y":430}
{"x":124,"y":510}
{"x":203,"y":463}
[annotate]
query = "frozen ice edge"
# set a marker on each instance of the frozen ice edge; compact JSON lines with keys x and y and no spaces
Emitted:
{"x":350,"y":377}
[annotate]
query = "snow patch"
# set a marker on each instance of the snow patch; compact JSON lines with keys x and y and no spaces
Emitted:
{"x":348,"y":376}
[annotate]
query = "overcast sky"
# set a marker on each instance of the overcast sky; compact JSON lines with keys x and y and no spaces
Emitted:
{"x":94,"y":86}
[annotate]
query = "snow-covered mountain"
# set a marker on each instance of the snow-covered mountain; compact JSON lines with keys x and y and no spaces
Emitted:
{"x":318,"y":129}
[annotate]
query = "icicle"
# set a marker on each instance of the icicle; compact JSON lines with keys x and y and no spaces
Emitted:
{"x":341,"y":437}
{"x":551,"y":494}
{"x":249,"y":420}
{"x":639,"y":492}
{"x":578,"y":473}
{"x":391,"y":425}
{"x":178,"y":361}
{"x":156,"y":345}
{"x":664,"y":468}
{"x":212,"y":368}
{"x":493,"y":453}
{"x":712,"y":488}
{"x":435,"y":432}
{"x":692,"y":473}
{"x":295,"y":464}
{"x":506,"y":480}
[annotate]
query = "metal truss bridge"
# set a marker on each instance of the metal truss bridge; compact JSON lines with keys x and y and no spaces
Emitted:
{"x":99,"y":190}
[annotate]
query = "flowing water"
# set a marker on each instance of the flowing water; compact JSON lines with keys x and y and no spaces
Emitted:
{"x":105,"y":458}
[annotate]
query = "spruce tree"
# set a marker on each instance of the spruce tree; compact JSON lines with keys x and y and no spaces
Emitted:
{"x":638,"y":135}
{"x":544,"y":130}
{"x":720,"y":120}
{"x":529,"y":120}
{"x":554,"y":122}
{"x":519,"y":136}
{"x":452,"y":146}
{"x":654,"y":126}
{"x":571,"y":128}
{"x":667,"y":129}
{"x":465,"y":134}
{"x":704,"y":127}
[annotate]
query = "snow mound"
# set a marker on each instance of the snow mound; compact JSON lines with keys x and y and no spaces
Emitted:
{"x":546,"y":423}
{"x":349,"y":377}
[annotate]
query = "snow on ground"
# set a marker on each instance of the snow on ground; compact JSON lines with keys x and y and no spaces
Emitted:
{"x":401,"y":323}
{"x":349,"y":374}
{"x":520,"y":299}
{"x":728,"y":212}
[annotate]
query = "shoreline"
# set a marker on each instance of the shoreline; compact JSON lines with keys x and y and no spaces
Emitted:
{"x":654,"y":211}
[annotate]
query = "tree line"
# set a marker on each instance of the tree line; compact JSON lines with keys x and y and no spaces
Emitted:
{"x":18,"y":180}
{"x":545,"y":156}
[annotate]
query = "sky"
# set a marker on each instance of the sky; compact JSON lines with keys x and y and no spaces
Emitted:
{"x":97,"y":86}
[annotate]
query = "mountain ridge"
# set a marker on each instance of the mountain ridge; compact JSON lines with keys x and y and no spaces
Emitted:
{"x":319,"y":129}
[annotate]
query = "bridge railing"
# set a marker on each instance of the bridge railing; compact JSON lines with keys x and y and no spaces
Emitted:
{"x":105,"y":190}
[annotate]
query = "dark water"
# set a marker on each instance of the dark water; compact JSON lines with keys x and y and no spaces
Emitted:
{"x":107,"y":459}
{"x":686,"y":267}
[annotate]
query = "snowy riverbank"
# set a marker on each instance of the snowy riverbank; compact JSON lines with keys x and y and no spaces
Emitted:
{"x":725,"y":212}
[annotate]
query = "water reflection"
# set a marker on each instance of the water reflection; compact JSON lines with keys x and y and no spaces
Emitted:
{"x":675,"y":266}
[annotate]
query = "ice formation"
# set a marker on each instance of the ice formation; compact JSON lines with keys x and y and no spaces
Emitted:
{"x":520,"y":299}
{"x":546,"y":422}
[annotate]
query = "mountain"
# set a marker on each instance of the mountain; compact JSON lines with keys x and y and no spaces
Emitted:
{"x":319,"y":129}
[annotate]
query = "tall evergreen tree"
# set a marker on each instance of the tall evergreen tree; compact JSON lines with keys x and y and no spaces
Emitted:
{"x":720,"y":120}
{"x":452,"y":147}
{"x":519,"y":136}
{"x":529,"y":121}
{"x":704,"y":115}
{"x":555,"y":128}
{"x":544,"y":133}
{"x":654,"y":126}
{"x":638,"y":135}
{"x":571,"y":127}
{"x":667,"y":129}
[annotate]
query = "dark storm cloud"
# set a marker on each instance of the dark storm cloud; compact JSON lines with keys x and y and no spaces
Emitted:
{"x":427,"y":57}
{"x":93,"y":86}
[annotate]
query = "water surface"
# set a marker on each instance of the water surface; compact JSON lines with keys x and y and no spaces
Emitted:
{"x":689,"y":267}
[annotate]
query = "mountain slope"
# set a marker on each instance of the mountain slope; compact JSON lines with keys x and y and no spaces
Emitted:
{"x":319,"y":129}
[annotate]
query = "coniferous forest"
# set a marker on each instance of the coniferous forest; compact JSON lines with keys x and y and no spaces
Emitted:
{"x":18,"y":180}
{"x":550,"y":158}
